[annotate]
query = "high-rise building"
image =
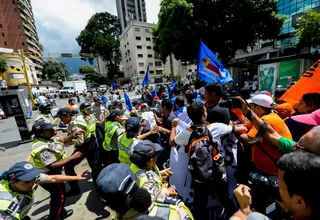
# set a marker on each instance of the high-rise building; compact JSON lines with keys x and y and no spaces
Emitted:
{"x":131,"y":10}
{"x":18,"y":30}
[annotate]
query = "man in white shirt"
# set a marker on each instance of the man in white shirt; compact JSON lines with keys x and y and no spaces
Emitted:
{"x":42,"y":99}
{"x":198,"y":114}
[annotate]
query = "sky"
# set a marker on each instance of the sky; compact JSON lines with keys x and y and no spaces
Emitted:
{"x":59,"y":22}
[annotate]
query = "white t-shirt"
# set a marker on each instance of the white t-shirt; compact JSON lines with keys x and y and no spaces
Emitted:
{"x":149,"y":117}
{"x":41,"y":99}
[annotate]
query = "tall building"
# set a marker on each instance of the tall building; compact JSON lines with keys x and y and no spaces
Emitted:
{"x":18,"y":30}
{"x":281,"y":57}
{"x":129,"y":10}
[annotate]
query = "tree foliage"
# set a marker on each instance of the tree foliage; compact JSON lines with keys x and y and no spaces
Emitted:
{"x":3,"y":66}
{"x":86,"y":69}
{"x":308,"y":29}
{"x":55,"y":70}
{"x":225,"y":26}
{"x":91,"y":75}
{"x":101,"y":38}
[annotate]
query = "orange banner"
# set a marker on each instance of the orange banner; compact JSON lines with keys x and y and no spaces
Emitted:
{"x":308,"y":83}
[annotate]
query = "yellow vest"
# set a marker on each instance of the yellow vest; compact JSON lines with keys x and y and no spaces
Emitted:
{"x":89,"y":125}
{"x":110,"y":128}
{"x":170,"y":209}
{"x":43,"y":117}
{"x":126,"y":146}
{"x":13,"y":203}
{"x":144,"y":175}
{"x":39,"y":146}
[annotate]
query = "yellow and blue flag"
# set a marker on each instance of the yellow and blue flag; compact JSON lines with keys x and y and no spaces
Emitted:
{"x":210,"y":69}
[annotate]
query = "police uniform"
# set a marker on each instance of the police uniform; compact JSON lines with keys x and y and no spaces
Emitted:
{"x":126,"y":146}
{"x":87,"y":144}
{"x":44,"y":153}
{"x":44,"y":117}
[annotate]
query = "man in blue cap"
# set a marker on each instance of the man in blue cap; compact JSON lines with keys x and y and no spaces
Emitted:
{"x":17,"y":188}
{"x":119,"y":187}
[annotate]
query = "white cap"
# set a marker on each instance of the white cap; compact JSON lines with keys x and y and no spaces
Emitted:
{"x":262,"y":100}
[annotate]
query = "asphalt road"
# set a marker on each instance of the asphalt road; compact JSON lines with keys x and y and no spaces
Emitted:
{"x":86,"y":206}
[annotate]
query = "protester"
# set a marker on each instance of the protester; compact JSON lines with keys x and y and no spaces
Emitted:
{"x":71,"y":103}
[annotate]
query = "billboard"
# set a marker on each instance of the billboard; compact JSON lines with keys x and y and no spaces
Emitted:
{"x":288,"y":69}
{"x":268,"y":76}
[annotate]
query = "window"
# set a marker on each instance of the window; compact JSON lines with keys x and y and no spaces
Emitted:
{"x":0,"y":25}
{"x":129,"y":58}
{"x":147,"y":30}
{"x":139,"y":47}
{"x":158,"y":63}
{"x":158,"y":71}
{"x":22,"y":43}
{"x":13,"y":1}
{"x":148,"y":39}
{"x":138,"y":38}
{"x":150,"y":55}
{"x":5,"y":43}
{"x":141,"y":72}
{"x":190,"y":70}
{"x":137,"y":29}
{"x":3,"y":35}
{"x":141,"y":64}
{"x":149,"y":47}
{"x":150,"y":64}
{"x":151,"y":71}
{"x":140,"y":55}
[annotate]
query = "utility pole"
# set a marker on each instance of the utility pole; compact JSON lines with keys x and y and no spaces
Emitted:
{"x":171,"y":66}
{"x":26,"y":76}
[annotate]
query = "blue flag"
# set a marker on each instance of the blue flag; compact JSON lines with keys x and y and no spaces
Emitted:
{"x":114,"y":85}
{"x":146,"y":79}
{"x":154,"y":92}
{"x":128,"y":101}
{"x":173,"y":85}
{"x":210,"y":69}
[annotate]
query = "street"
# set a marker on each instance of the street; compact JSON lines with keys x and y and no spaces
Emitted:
{"x":85,"y":206}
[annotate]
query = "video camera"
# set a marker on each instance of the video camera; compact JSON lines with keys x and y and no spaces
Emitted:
{"x":267,"y":185}
{"x":231,"y":102}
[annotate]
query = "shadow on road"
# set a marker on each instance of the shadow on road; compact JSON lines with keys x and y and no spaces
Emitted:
{"x":95,"y":205}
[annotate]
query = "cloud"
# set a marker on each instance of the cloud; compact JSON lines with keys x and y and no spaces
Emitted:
{"x":59,"y":22}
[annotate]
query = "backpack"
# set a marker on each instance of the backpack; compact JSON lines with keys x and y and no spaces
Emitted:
{"x":205,"y":162}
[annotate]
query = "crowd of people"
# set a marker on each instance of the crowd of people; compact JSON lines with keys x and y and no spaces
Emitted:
{"x":186,"y":153}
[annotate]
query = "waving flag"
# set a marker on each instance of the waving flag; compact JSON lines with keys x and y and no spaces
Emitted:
{"x":128,"y":101}
{"x":210,"y":69}
{"x":146,"y":79}
{"x":173,"y":85}
{"x":154,"y":93}
{"x":114,"y":85}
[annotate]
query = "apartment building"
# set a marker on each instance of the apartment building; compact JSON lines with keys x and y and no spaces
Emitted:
{"x":18,"y":30}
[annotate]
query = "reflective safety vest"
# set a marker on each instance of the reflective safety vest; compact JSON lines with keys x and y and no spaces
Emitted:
{"x":89,"y":125}
{"x":13,"y":203}
{"x":45,"y":118}
{"x":170,"y":209}
{"x":39,"y":146}
{"x":111,"y":128}
{"x":144,"y":175}
{"x":126,"y":146}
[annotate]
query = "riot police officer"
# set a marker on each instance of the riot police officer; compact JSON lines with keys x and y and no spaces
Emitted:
{"x":45,"y":110}
{"x":49,"y":153}
{"x":86,"y":143}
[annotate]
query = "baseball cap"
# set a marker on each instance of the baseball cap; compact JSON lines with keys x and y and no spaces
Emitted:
{"x":115,"y":113}
{"x":24,"y":171}
{"x":97,"y":99}
{"x":156,"y":98}
{"x":144,"y":151}
{"x":308,"y":119}
{"x":63,"y":111}
{"x":42,"y":125}
{"x":117,"y":102}
{"x":262,"y":100}
{"x":116,"y":183}
{"x":132,"y":126}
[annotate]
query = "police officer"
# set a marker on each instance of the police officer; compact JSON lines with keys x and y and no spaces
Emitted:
{"x":50,"y":154}
{"x":144,"y":158}
{"x":119,"y":187}
{"x":45,"y":110}
{"x":113,"y":129}
{"x":86,"y":143}
{"x":118,"y":104}
{"x":128,"y":140}
{"x":17,"y":188}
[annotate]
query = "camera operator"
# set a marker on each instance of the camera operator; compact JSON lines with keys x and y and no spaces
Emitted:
{"x":299,"y":180}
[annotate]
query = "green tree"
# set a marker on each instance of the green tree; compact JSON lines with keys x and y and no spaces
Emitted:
{"x":101,"y":38}
{"x":86,"y":69}
{"x":308,"y":29}
{"x":3,"y":66}
{"x":55,"y":70}
{"x":225,"y":26}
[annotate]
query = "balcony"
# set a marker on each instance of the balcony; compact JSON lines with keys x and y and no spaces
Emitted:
{"x":26,"y":14}
{"x":29,"y":28}
{"x":33,"y":44}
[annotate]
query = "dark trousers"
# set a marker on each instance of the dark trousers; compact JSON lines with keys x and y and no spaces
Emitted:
{"x":201,"y":195}
{"x":91,"y":152}
{"x":58,"y":197}
{"x":108,"y":157}
{"x":163,"y":157}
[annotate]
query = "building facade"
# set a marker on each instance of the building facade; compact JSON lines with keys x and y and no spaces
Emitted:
{"x":18,"y":30}
{"x":131,"y":10}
